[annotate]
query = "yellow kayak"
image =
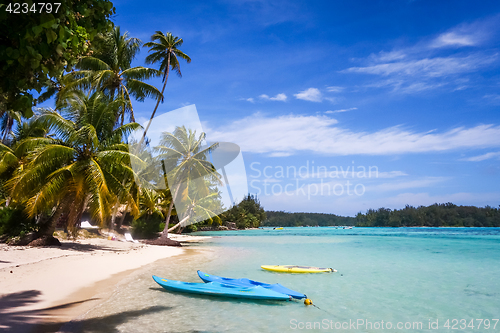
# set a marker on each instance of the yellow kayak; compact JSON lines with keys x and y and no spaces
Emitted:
{"x":296,"y":269}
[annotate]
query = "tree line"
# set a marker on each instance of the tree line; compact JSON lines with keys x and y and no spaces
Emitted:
{"x":436,"y":215}
{"x":249,"y":213}
{"x":286,"y":219}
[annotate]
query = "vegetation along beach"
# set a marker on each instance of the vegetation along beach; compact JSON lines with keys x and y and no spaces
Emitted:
{"x":249,"y":166}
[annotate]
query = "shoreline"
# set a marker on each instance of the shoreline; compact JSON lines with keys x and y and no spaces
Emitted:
{"x":45,"y":288}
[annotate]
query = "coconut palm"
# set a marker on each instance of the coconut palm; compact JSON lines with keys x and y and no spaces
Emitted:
{"x":151,"y":203}
{"x":185,"y":160}
{"x":201,"y":208}
{"x":164,"y":50}
{"x":12,"y":156}
{"x":78,"y":166}
{"x":7,"y":119}
{"x":109,"y":69}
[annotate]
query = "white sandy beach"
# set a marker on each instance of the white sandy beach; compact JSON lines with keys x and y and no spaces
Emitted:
{"x":40,"y":284}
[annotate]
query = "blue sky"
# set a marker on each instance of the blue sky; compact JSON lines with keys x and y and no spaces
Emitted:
{"x":407,"y":89}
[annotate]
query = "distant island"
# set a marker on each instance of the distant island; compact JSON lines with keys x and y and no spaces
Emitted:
{"x":436,"y":215}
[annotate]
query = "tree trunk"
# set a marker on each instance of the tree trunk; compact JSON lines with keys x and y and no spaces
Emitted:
{"x":158,"y":102}
{"x":178,"y":224}
{"x":44,"y":236}
{"x":115,"y":209}
{"x":75,"y":214}
{"x":120,"y":222}
{"x":165,"y":231}
{"x":113,"y":216}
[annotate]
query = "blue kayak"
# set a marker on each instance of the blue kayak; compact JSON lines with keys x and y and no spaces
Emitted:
{"x":250,"y":283}
{"x":221,"y":290}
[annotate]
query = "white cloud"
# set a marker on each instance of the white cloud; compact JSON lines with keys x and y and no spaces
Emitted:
{"x":341,"y":110}
{"x":347,"y":172}
{"x":483,"y":157}
{"x":311,"y":94}
{"x":280,"y":154}
{"x":430,"y":67}
{"x":453,"y":39}
{"x":492,"y":98}
{"x":389,"y":56}
{"x":467,"y":34}
{"x":319,"y":134}
{"x":428,"y":64}
{"x":335,"y":89}
{"x":333,"y":100}
{"x":391,"y":174}
{"x":417,"y":183}
{"x":350,"y":205}
{"x":279,"y":97}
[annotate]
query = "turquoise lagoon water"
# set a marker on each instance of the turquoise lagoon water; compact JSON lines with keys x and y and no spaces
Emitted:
{"x":405,"y":277}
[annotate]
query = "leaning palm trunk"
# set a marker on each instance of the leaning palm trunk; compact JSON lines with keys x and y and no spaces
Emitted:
{"x":179,"y":224}
{"x":113,"y":216}
{"x":120,"y":222}
{"x":165,"y":231}
{"x":75,"y":215}
{"x":48,"y":228}
{"x":158,"y":102}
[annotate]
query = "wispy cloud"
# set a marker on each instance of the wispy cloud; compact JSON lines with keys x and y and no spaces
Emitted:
{"x":351,"y":172}
{"x":397,"y":186}
{"x":321,"y":134}
{"x":483,"y":157}
{"x":492,"y":98}
{"x":389,"y":56}
{"x":467,"y":34}
{"x":391,"y":174}
{"x":428,"y":64}
{"x":250,"y":99}
{"x":279,"y":97}
{"x":340,"y":111}
{"x":311,"y":94}
{"x":431,"y":67}
{"x":335,"y":89}
{"x":453,"y":39}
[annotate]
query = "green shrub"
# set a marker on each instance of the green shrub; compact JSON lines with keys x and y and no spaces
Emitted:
{"x":147,"y":227}
{"x":14,"y":222}
{"x":191,"y":228}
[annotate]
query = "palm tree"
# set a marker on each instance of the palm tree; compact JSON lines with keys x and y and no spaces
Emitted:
{"x":165,"y":51}
{"x":185,"y":160}
{"x":151,"y":203}
{"x":12,"y":156}
{"x":109,"y":69}
{"x":201,"y":208}
{"x":76,"y":168}
{"x":7,"y":119}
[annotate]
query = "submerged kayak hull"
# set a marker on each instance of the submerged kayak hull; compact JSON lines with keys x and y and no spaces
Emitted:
{"x":250,"y":283}
{"x":296,"y":269}
{"x":220,"y":290}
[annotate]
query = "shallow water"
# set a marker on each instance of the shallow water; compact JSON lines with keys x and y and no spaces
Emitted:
{"x":403,"y":276}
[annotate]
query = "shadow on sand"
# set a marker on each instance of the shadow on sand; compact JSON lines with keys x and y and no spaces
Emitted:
{"x":42,"y":320}
{"x":88,"y":247}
